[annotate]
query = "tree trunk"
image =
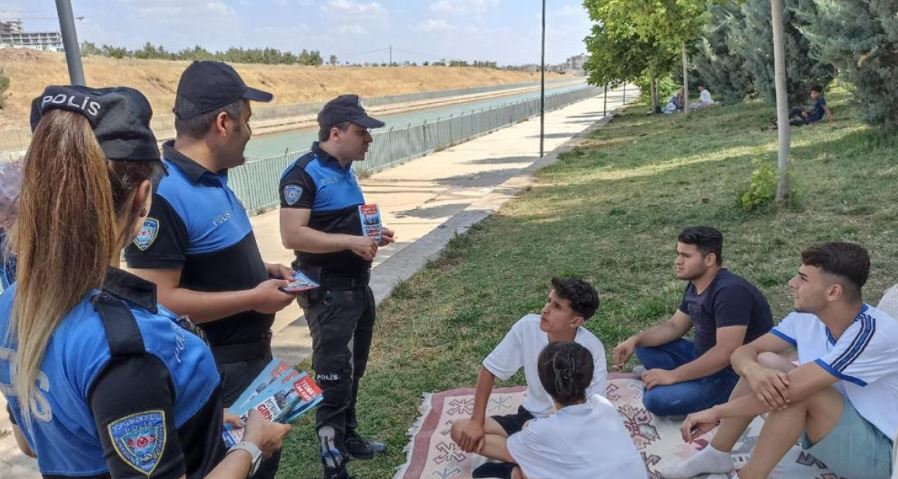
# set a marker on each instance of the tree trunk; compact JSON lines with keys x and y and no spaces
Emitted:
{"x":654,"y":93}
{"x":782,"y":100}
{"x":685,"y":81}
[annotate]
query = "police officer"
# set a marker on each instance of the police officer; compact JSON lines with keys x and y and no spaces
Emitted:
{"x":197,"y":244}
{"x":104,"y":382}
{"x":320,"y":220}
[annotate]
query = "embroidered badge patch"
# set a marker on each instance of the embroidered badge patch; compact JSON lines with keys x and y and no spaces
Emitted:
{"x":139,"y":439}
{"x":292,"y":194}
{"x":147,"y":234}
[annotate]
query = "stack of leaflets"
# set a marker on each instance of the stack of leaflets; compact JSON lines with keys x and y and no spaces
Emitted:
{"x":280,"y":393}
{"x":299,"y":284}
{"x":371,"y":224}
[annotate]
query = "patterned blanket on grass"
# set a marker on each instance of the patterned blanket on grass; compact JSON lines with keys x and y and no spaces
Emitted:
{"x":433,"y":455}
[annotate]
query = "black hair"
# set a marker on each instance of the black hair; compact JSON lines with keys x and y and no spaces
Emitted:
{"x":817,"y":88}
{"x":846,"y":260}
{"x":324,"y":133}
{"x":705,"y":238}
{"x":565,"y":370}
{"x":583,"y":297}
{"x":197,"y":126}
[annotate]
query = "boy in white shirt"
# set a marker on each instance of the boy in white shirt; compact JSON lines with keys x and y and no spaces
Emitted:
{"x":704,"y":98}
{"x":586,"y":438}
{"x":571,"y":302}
{"x":841,"y":399}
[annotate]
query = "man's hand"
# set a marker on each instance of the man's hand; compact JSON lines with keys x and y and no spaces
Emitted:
{"x":279,"y":271}
{"x":623,"y":351}
{"x":804,"y":114}
{"x":269,"y":299}
{"x":659,"y":377}
{"x":363,"y":246}
{"x":472,"y":437}
{"x":387,"y":236}
{"x":770,"y":386}
{"x":699,"y":423}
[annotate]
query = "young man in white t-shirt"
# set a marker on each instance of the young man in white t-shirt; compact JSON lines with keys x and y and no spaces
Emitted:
{"x":841,"y":398}
{"x":571,"y":302}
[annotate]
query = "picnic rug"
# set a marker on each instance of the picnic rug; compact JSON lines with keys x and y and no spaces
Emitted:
{"x":431,"y":454}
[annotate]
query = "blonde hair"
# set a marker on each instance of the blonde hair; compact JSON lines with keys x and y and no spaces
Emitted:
{"x":66,"y":233}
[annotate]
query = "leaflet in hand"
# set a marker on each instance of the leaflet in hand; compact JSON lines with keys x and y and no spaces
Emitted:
{"x":300,"y":283}
{"x":371,"y":223}
{"x":280,"y":393}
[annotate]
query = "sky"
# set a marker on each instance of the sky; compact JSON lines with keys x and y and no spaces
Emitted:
{"x":505,"y":31}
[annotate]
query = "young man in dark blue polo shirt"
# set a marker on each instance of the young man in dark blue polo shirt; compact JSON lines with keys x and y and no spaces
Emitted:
{"x":683,"y":376}
{"x":320,"y":199}
{"x":197,"y":244}
{"x":799,"y":116}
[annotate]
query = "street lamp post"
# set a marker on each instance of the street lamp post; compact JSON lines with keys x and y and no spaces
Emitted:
{"x":542,"y":87}
{"x":70,"y":41}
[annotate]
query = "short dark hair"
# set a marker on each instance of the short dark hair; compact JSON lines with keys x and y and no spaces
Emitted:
{"x":583,"y":297}
{"x":197,"y":126}
{"x":845,"y":260}
{"x":706,"y":238}
{"x":817,"y":88}
{"x":565,"y":370}
{"x":324,"y":133}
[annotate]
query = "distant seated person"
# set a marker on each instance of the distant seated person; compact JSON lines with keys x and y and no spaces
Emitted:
{"x":585,"y":438}
{"x":799,"y":116}
{"x":704,"y":98}
{"x":571,"y":302}
{"x":674,"y":103}
{"x":683,"y":376}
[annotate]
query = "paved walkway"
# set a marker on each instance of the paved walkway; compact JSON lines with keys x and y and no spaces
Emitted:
{"x":426,"y":202}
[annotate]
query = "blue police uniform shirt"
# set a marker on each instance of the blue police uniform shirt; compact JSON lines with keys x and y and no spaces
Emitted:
{"x":197,"y":223}
{"x":123,"y":389}
{"x":729,"y":300}
{"x":317,"y":182}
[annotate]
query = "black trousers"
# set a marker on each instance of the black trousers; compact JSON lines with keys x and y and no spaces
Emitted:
{"x":795,"y":118}
{"x":235,"y":377}
{"x":341,"y":322}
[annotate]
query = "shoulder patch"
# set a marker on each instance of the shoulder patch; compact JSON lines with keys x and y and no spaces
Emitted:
{"x":292,"y":194}
{"x":139,"y":439}
{"x":147,"y":234}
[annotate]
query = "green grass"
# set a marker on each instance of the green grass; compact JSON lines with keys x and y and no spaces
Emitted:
{"x":610,"y":211}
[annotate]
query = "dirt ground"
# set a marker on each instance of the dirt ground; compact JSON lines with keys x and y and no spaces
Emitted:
{"x":30,"y":71}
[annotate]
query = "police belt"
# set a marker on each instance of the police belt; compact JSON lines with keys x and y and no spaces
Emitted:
{"x":338,"y":282}
{"x":235,"y":353}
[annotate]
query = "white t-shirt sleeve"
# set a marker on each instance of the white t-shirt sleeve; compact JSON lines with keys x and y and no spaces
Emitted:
{"x":529,"y":450}
{"x":861,"y":356}
{"x":599,"y":384}
{"x":787,"y":329}
{"x":508,"y":357}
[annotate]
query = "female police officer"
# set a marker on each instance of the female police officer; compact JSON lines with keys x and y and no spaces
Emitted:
{"x":100,"y":380}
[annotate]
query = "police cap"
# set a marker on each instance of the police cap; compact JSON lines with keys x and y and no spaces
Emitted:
{"x":119,"y":116}
{"x":206,"y":86}
{"x":346,"y":108}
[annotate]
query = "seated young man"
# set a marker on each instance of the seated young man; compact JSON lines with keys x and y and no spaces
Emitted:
{"x":841,"y":399}
{"x":683,"y":376}
{"x":799,"y":116}
{"x":571,"y":303}
{"x":704,"y":98}
{"x":554,"y":446}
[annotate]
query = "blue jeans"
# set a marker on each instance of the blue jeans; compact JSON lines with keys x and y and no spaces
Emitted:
{"x":688,"y":396}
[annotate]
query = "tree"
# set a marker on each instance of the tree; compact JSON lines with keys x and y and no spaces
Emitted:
{"x":756,"y":43}
{"x":719,"y":60}
{"x":4,"y":85}
{"x":860,"y":37}
{"x":782,"y":103}
{"x":332,"y":60}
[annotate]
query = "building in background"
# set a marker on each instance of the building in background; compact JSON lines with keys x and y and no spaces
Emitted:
{"x":13,"y":36}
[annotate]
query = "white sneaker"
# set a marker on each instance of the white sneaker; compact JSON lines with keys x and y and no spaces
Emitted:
{"x":706,"y":461}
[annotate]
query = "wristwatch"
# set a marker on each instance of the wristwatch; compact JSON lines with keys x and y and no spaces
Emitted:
{"x":254,"y":452}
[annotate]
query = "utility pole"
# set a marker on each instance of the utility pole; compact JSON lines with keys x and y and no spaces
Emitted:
{"x":391,"y":56}
{"x":542,"y":87}
{"x":70,"y":41}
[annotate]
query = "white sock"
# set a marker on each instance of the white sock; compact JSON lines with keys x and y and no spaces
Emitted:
{"x":706,"y":461}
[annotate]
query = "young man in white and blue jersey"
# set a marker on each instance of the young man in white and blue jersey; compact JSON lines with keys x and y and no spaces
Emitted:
{"x":840,"y":398}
